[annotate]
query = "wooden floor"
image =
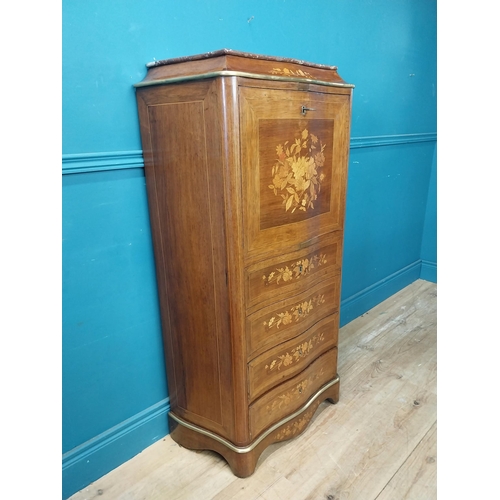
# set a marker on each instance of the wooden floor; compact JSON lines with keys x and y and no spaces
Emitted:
{"x":378,"y":442}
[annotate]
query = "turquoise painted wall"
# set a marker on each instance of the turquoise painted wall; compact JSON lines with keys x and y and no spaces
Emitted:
{"x":115,"y":397}
{"x":428,"y":252}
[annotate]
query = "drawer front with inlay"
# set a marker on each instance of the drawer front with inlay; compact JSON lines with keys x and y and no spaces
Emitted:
{"x":292,"y":273}
{"x":288,"y":318}
{"x":294,"y":393}
{"x":287,"y":359}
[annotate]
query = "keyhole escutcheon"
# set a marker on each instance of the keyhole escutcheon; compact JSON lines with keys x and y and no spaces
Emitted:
{"x":304,"y":110}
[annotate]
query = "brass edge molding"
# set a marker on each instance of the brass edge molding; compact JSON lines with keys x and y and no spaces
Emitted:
{"x":250,"y":447}
{"x":257,"y":76}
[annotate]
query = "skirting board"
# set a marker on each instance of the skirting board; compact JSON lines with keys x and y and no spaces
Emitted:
{"x":357,"y":304}
{"x":105,"y":452}
{"x":429,"y":271}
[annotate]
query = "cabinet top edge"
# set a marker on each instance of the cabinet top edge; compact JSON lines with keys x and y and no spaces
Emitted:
{"x":227,"y":62}
{"x":248,"y":55}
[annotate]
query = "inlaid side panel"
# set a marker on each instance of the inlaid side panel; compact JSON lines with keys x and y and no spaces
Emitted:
{"x":190,"y":248}
{"x":191,"y":281}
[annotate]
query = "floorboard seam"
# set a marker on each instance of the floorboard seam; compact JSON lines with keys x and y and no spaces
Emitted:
{"x":406,"y":459}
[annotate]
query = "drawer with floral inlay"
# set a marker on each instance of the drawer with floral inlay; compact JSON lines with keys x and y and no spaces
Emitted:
{"x":288,"y":318}
{"x":292,"y":273}
{"x":292,"y":394}
{"x":284,"y":361}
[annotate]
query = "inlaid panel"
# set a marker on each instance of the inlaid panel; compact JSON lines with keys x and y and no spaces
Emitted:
{"x":287,"y":318}
{"x":190,"y":255}
{"x":289,"y":358}
{"x":294,"y":166}
{"x":292,"y":273}
{"x":290,"y":395}
{"x":188,"y":204}
{"x":295,"y":170}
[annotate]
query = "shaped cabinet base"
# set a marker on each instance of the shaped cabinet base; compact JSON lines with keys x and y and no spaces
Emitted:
{"x":243,"y":460}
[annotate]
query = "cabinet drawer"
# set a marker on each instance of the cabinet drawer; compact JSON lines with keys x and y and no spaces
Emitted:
{"x":284,"y":361}
{"x":291,"y":395}
{"x":290,"y":274}
{"x":287,"y":318}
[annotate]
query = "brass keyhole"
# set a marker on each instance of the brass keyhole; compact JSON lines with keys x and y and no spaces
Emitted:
{"x":304,"y":110}
{"x":300,"y":310}
{"x":300,"y":390}
{"x":300,"y":268}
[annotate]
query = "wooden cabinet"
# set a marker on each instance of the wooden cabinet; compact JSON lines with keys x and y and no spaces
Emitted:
{"x":246,"y":164}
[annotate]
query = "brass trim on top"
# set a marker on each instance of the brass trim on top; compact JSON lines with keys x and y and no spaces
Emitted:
{"x":250,"y":447}
{"x":243,"y":74}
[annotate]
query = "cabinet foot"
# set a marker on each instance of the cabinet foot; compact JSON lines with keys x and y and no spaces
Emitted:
{"x":334,"y":398}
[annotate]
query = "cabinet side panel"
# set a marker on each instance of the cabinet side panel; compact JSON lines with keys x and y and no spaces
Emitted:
{"x":173,"y":390}
{"x":182,"y":185}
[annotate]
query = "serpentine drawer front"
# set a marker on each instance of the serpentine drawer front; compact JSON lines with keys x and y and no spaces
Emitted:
{"x":289,"y":273}
{"x":290,"y":395}
{"x":289,"y":317}
{"x":246,"y":168}
{"x":287,"y":359}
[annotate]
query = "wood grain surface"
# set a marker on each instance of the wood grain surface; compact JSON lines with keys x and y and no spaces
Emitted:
{"x":241,"y":62}
{"x":294,"y":167}
{"x":288,"y":318}
{"x":285,"y":360}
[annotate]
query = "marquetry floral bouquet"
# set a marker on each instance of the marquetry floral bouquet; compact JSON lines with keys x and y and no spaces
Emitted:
{"x":297,"y":172}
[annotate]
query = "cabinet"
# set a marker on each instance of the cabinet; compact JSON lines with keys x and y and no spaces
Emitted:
{"x":246,"y":164}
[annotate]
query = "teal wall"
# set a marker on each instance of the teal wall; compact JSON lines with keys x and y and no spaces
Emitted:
{"x":115,"y":396}
{"x":428,"y":252}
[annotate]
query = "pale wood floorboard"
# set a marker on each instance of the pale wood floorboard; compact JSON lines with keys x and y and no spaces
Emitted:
{"x":377,"y":443}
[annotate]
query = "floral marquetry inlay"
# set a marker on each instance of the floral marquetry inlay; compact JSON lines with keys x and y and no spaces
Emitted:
{"x":297,"y":312}
{"x":293,"y":394}
{"x":295,"y":354}
{"x":295,"y":270}
{"x":291,"y":72}
{"x":297,"y":175}
{"x":297,"y":426}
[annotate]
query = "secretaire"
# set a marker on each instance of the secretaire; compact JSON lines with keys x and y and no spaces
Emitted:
{"x":246,"y":166}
